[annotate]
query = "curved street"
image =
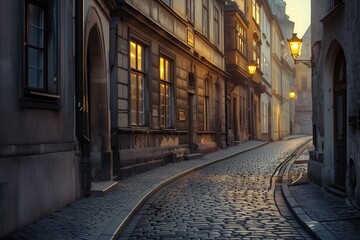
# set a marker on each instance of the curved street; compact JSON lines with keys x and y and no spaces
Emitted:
{"x":232,"y":199}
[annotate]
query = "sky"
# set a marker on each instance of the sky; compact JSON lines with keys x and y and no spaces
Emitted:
{"x":299,"y":12}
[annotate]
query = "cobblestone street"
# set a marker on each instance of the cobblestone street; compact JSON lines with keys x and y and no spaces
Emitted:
{"x":233,"y":199}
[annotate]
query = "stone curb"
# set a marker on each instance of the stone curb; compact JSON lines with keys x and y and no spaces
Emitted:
{"x":116,"y":227}
{"x":315,"y":228}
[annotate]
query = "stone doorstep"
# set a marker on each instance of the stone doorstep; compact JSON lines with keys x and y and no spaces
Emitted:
{"x":193,"y":156}
{"x":335,"y":191}
{"x":300,"y":161}
{"x":100,"y":189}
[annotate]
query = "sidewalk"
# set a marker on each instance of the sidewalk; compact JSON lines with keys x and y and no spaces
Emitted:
{"x":104,"y":217}
{"x":324,"y":214}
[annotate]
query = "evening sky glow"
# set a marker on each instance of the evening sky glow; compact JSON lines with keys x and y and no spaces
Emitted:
{"x":299,"y":12}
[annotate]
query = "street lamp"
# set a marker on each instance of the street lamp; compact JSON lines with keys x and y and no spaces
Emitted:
{"x":292,"y":95}
{"x":295,"y":46}
{"x":252,"y":67}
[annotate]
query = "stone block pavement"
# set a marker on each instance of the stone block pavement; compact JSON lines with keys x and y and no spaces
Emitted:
{"x":104,"y":217}
{"x":324,"y":215}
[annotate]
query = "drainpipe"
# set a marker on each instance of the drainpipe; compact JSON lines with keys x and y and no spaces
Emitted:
{"x":80,"y":108}
{"x":226,"y":115}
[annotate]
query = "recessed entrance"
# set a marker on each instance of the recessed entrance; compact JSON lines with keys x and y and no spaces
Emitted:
{"x":97,"y":104}
{"x":340,"y":117}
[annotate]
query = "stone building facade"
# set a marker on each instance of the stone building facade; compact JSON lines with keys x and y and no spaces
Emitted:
{"x":302,"y":105}
{"x":167,"y":82}
{"x":39,"y":163}
{"x":335,"y":72}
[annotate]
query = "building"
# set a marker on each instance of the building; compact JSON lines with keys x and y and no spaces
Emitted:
{"x":302,"y":105}
{"x":237,"y":60}
{"x":266,"y":62}
{"x":336,"y":100}
{"x":167,"y":68}
{"x":39,"y":163}
{"x":256,"y":86}
{"x":282,"y":70}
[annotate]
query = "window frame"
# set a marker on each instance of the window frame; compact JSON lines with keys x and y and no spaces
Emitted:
{"x":216,"y":16}
{"x":168,"y":3}
{"x":256,"y":53}
{"x":41,"y":97}
{"x":190,"y":11}
{"x":256,"y":12}
{"x":205,"y":18}
{"x":168,"y":82}
{"x":140,"y":75}
{"x":241,"y":39}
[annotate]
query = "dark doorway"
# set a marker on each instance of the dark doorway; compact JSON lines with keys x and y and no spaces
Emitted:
{"x":340,"y":117}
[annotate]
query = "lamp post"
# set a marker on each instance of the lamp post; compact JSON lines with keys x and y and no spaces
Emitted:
{"x":292,"y":96}
{"x":295,"y":47}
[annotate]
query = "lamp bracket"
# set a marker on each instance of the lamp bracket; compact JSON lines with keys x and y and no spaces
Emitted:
{"x":306,"y":62}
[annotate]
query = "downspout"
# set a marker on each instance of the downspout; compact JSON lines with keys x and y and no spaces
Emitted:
{"x":81,"y":126}
{"x":226,"y":115}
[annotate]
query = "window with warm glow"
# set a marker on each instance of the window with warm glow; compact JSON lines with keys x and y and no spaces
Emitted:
{"x":165,"y":92}
{"x":241,"y":39}
{"x":137,"y":78}
{"x":256,"y":11}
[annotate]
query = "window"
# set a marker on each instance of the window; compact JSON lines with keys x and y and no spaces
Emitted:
{"x":205,"y":17}
{"x":265,"y":65}
{"x":256,"y":52}
{"x":190,"y":9}
{"x":241,"y":39}
{"x":167,"y":2}
{"x":40,"y":83}
{"x":256,"y":11}
{"x":165,"y":92}
{"x":334,"y":3}
{"x":137,"y":78}
{"x":216,"y":27}
{"x":35,"y":47}
{"x":206,"y":106}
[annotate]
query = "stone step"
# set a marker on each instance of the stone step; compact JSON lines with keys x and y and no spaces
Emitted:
{"x":192,"y":156}
{"x":100,"y":189}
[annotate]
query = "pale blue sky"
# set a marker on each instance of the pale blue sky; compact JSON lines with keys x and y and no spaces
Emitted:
{"x":299,"y":12}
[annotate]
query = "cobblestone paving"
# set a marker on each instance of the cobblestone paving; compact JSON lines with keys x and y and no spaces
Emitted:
{"x":233,"y":199}
{"x":87,"y":218}
{"x":334,"y":213}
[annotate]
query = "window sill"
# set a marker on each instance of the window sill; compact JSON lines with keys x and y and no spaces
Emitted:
{"x":39,"y":100}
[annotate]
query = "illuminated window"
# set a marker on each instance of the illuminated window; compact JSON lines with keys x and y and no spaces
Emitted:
{"x":137,"y":79}
{"x":256,"y":11}
{"x":241,"y":39}
{"x":165,"y":92}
